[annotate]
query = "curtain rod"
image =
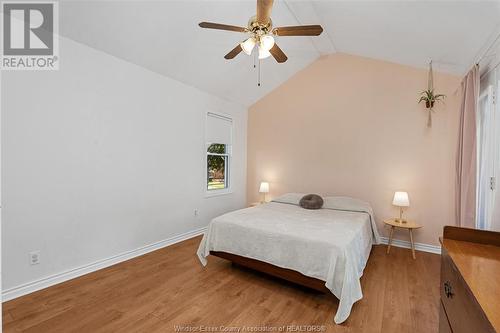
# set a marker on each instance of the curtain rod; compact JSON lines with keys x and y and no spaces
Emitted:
{"x":491,"y":69}
{"x":489,"y":48}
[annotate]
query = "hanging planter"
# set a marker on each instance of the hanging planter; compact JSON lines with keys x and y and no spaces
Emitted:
{"x":429,"y":97}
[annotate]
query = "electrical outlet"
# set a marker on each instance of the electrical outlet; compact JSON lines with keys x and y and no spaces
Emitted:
{"x":34,"y":257}
{"x":196,"y":212}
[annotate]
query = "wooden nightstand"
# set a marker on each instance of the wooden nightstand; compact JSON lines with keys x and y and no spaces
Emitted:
{"x":410,"y":225}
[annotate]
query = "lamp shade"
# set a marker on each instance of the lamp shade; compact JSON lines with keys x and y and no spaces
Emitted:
{"x":264,"y":187}
{"x":401,"y":199}
{"x":267,"y":42}
{"x":248,"y":45}
{"x":263,"y":53}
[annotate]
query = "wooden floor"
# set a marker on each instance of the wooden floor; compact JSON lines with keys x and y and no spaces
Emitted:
{"x":169,"y":287}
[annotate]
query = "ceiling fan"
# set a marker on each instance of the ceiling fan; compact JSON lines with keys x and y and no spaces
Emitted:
{"x":262,"y":32}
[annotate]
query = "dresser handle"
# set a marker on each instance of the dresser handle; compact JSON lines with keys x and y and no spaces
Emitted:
{"x":448,"y":290}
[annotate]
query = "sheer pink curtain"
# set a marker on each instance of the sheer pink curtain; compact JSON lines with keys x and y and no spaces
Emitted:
{"x":466,"y":157}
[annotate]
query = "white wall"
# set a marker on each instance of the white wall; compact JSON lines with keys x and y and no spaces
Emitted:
{"x":103,"y":157}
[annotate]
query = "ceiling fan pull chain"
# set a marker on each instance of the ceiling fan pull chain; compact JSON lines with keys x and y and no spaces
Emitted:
{"x":258,"y":84}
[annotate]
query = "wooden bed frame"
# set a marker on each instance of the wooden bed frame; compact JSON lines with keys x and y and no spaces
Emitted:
{"x":282,"y":273}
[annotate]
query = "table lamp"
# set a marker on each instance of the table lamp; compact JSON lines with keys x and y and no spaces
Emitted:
{"x":401,"y":200}
{"x":264,"y":188}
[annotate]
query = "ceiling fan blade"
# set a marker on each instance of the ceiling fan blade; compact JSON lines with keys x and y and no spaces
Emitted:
{"x":264,"y":8}
{"x":299,"y":30}
{"x":218,"y":26}
{"x":234,"y":52}
{"x":278,"y":54}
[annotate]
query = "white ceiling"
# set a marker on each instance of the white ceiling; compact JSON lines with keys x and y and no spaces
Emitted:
{"x":164,"y":36}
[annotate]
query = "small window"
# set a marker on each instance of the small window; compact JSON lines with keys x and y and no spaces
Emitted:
{"x":218,"y":138}
{"x":217,"y":167}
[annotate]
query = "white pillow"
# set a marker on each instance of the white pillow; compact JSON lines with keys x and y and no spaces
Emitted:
{"x":289,"y":198}
{"x":345,"y":203}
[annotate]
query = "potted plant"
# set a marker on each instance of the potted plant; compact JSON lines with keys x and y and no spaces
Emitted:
{"x":429,"y":97}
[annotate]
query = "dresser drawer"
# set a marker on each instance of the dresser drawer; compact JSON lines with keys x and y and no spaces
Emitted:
{"x":463,"y":312}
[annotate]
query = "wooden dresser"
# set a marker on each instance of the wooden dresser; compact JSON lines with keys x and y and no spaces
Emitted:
{"x":470,"y":281}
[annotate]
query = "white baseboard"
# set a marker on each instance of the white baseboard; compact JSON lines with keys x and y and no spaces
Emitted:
{"x":436,"y":249}
{"x":48,"y":281}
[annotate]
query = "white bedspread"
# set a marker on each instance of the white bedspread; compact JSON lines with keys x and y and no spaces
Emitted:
{"x":331,"y":244}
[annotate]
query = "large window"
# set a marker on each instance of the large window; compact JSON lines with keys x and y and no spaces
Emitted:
{"x":219,"y":132}
{"x":488,"y":150}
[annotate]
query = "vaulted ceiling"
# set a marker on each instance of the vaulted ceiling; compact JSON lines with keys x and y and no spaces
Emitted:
{"x":164,"y":36}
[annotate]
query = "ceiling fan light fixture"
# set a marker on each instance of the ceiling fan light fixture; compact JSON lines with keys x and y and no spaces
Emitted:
{"x":263,"y":53}
{"x":248,"y":45}
{"x":267,"y":42}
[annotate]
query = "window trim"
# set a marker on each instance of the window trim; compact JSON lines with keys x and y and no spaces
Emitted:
{"x":229,"y":154}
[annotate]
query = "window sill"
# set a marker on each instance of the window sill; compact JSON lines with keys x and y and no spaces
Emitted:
{"x":217,"y":193}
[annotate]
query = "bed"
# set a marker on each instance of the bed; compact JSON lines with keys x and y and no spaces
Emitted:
{"x":325,"y":248}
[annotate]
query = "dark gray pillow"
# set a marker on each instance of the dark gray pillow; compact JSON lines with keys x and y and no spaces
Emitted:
{"x":311,"y":201}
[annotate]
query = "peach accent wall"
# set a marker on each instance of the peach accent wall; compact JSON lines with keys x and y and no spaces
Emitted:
{"x":348,"y":125}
